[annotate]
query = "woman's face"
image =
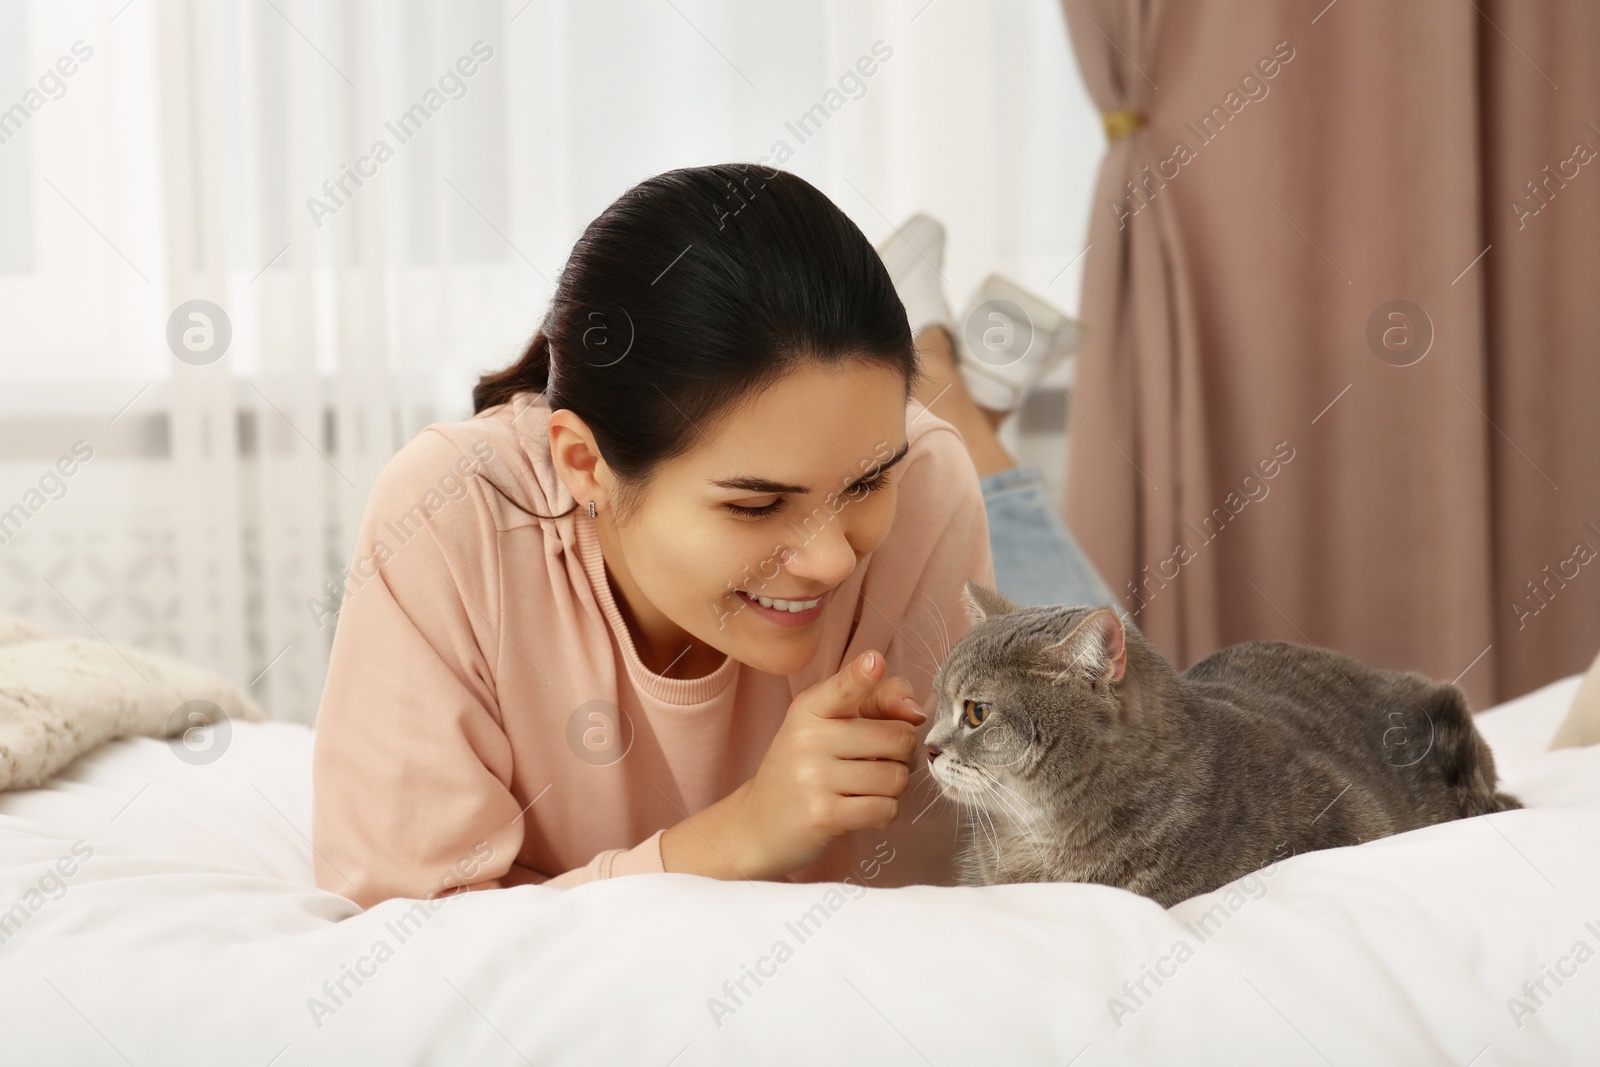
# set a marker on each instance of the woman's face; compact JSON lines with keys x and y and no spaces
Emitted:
{"x":778,"y":501}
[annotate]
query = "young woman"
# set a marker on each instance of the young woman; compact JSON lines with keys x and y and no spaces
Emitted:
{"x":673,"y":598}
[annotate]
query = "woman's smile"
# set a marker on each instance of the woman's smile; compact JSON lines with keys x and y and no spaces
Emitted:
{"x":787,"y":612}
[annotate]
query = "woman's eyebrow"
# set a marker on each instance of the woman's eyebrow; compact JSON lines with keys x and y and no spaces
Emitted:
{"x":764,"y":485}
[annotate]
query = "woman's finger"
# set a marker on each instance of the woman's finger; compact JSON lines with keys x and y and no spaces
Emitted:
{"x":893,"y":698}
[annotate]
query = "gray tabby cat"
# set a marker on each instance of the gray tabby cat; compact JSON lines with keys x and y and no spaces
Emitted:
{"x":1084,"y":757}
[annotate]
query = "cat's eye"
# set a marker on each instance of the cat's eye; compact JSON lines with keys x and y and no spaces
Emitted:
{"x":974,"y":712}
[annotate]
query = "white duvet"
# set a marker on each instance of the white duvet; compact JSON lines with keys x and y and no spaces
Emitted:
{"x":163,"y":913}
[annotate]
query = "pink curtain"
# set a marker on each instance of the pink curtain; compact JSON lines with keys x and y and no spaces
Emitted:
{"x":1340,"y":356}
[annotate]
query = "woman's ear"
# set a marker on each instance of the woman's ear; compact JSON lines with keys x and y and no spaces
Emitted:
{"x":577,"y":458}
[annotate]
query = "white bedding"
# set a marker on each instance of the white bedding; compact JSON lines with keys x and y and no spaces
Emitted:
{"x":191,"y":933}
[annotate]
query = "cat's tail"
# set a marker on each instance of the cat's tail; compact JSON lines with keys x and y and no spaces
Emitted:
{"x":1465,"y":758}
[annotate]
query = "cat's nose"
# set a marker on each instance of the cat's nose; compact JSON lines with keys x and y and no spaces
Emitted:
{"x":933,"y":752}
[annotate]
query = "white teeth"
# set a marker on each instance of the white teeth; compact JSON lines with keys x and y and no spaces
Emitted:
{"x":785,"y":605}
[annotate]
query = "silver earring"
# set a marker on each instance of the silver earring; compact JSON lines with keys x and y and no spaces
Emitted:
{"x":591,"y":509}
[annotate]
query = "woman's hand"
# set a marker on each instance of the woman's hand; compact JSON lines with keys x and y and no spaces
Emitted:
{"x":839,"y":762}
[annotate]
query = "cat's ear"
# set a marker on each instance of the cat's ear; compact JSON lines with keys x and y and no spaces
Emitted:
{"x":982,"y":602}
{"x":1096,"y":650}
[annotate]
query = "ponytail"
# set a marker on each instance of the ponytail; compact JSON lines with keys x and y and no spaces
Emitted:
{"x":529,"y":373}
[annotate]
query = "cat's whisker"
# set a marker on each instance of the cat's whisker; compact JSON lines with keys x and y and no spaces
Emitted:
{"x":1036,"y":842}
{"x":929,"y":780}
{"x":989,"y":788}
{"x":1020,"y":798}
{"x":994,"y":835}
{"x":938,"y":627}
{"x":990,"y":776}
{"x":943,"y":628}
{"x":924,"y":652}
{"x":911,"y":649}
{"x":976,"y":812}
{"x":982,"y":822}
{"x":938,"y":796}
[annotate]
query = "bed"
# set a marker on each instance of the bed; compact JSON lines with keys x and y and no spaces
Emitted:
{"x":153,"y":911}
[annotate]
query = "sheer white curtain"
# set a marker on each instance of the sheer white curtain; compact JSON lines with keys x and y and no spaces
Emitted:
{"x":374,"y":200}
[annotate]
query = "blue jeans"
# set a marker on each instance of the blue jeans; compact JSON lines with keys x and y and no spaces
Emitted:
{"x":1036,"y":561}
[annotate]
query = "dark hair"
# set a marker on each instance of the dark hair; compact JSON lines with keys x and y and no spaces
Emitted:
{"x":695,"y":289}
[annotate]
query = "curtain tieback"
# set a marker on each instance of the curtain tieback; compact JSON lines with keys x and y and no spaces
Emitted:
{"x":1121,"y":123}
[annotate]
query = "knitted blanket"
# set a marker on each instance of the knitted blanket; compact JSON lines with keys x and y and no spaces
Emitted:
{"x":62,"y":697}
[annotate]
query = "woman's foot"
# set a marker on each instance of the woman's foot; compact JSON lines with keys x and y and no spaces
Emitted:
{"x":1013,"y":339}
{"x":942,"y":391}
{"x":913,"y":255}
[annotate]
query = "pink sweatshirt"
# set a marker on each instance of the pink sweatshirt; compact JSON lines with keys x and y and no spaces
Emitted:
{"x":475,"y":641}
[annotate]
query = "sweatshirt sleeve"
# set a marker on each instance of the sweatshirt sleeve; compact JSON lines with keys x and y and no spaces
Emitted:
{"x":643,"y":858}
{"x":411,"y":768}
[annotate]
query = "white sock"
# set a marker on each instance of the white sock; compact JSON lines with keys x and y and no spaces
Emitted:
{"x":923,"y":296}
